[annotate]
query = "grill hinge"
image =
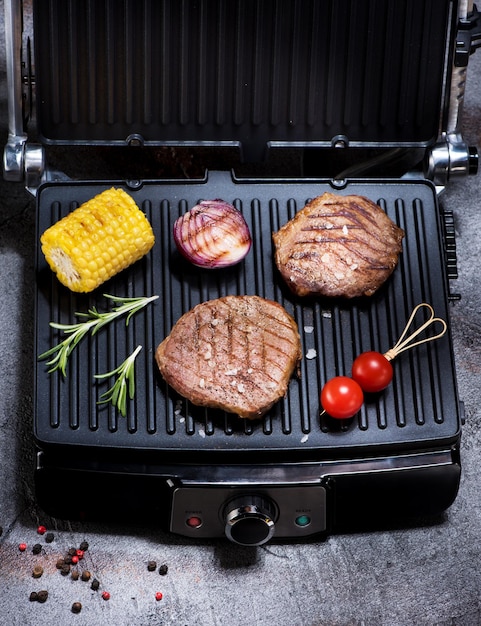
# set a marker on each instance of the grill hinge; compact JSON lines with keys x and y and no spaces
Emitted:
{"x":451,"y":157}
{"x":22,"y":161}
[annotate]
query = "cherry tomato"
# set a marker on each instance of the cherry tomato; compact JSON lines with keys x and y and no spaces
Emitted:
{"x":341,"y":397}
{"x":372,"y":371}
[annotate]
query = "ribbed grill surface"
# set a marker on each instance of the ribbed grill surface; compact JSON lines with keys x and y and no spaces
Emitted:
{"x":419,"y":407}
{"x":240,"y":70}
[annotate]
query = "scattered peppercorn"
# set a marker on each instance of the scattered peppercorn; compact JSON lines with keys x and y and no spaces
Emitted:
{"x":158,"y":595}
{"x":71,"y":551}
{"x":105,"y":595}
{"x":151,"y":566}
{"x":75,"y":574}
{"x":84,"y":546}
{"x":76,"y":607}
{"x":86,"y":575}
{"x":42,"y":596}
{"x":79,"y":554}
{"x":22,"y":547}
{"x":49,"y":537}
{"x":60,"y":563}
{"x":74,"y":559}
{"x":163,"y":569}
{"x":37,"y":571}
{"x":41,"y":530}
{"x":65,"y":570}
{"x":33,"y":596}
{"x":95,"y":584}
{"x":36,"y":549}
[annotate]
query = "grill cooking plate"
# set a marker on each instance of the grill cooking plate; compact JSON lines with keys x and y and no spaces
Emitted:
{"x":419,"y":407}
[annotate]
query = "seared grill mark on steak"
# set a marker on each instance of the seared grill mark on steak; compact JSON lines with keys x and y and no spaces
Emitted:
{"x":236,"y":353}
{"x":338,"y":246}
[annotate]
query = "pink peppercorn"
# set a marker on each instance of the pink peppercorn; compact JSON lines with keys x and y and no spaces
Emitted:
{"x":74,"y":559}
{"x":41,"y":530}
{"x":22,"y":547}
{"x":80,"y":554}
{"x":158,"y":595}
{"x":105,"y":595}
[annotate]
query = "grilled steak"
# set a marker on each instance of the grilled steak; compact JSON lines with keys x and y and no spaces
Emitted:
{"x":341,"y":246}
{"x":235,"y":353}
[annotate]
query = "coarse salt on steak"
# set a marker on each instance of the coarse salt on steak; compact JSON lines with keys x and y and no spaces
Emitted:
{"x":235,"y":353}
{"x":338,"y":246}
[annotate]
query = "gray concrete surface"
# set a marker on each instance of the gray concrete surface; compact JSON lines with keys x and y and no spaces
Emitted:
{"x":424,"y":575}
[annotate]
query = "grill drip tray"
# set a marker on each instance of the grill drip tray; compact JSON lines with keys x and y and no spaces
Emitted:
{"x":418,"y":414}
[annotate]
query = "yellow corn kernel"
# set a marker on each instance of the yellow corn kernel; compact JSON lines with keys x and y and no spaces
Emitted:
{"x":98,"y":240}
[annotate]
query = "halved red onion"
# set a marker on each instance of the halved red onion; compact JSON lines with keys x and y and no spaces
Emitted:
{"x":212,"y":234}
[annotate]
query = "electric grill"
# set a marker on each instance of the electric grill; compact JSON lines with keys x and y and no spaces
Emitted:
{"x":367,"y":96}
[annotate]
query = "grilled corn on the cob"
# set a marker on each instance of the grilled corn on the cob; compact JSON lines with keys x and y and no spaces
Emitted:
{"x":96,"y":241}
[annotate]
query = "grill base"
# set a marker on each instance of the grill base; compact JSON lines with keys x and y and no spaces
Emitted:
{"x":191,"y":500}
{"x":397,"y":457}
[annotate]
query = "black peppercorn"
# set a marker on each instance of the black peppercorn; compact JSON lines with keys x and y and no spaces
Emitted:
{"x":37,"y":571}
{"x":86,"y":575}
{"x":42,"y":595}
{"x":95,"y":584}
{"x":76,"y":607}
{"x":72,"y":551}
{"x":49,"y":537}
{"x":60,"y":563}
{"x":65,"y":570}
{"x":75,"y":574}
{"x":33,"y":596}
{"x":37,"y":548}
{"x":151,"y":566}
{"x":84,"y":546}
{"x":163,"y":569}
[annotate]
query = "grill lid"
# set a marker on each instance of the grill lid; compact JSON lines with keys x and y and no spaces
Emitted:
{"x":241,"y":72}
{"x":418,"y":410}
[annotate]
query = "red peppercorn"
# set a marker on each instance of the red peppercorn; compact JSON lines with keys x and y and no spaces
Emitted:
{"x":80,"y":554}
{"x":41,"y":530}
{"x":74,"y":559}
{"x":158,"y":595}
{"x":22,"y":547}
{"x":105,"y":595}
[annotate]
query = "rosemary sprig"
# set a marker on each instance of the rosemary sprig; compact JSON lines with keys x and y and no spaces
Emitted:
{"x":125,"y":382}
{"x":94,"y":322}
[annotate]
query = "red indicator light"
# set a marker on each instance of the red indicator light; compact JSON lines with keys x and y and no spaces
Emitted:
{"x":194,"y":522}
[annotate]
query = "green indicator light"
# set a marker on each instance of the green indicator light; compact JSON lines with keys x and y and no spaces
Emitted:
{"x":303,"y":520}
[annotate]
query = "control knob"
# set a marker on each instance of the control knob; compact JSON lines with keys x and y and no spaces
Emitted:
{"x":250,"y":520}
